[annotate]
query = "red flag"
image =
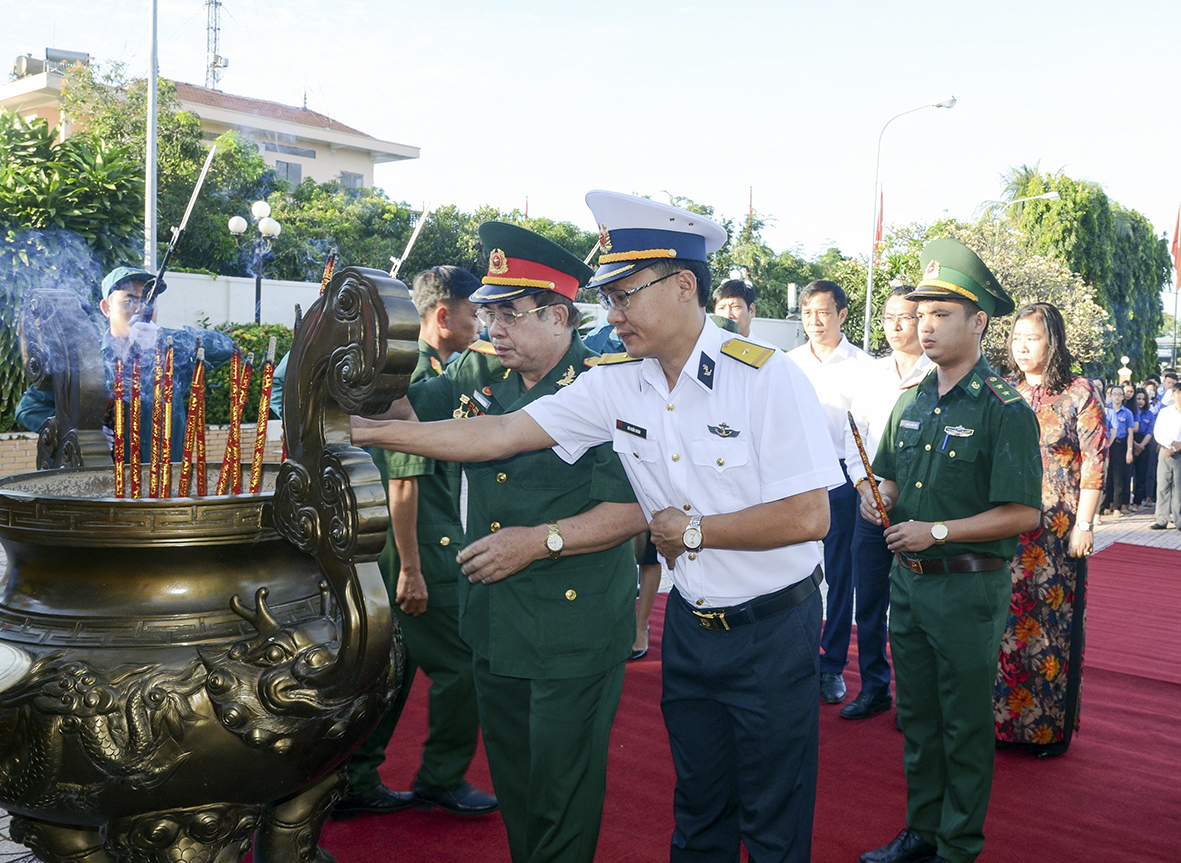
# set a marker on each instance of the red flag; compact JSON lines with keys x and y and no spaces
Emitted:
{"x":877,"y":234}
{"x":1177,"y":251}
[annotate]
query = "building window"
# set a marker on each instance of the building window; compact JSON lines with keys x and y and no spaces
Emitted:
{"x":292,"y":172}
{"x":352,"y":181}
{"x":289,"y":151}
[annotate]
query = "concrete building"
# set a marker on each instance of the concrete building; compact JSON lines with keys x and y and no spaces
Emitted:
{"x":297,"y":142}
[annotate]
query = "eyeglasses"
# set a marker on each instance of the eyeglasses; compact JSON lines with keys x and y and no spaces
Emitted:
{"x":620,"y":300}
{"x":898,"y":319}
{"x":507,"y":317}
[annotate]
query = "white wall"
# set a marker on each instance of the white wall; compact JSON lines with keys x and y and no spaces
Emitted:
{"x":192,"y":297}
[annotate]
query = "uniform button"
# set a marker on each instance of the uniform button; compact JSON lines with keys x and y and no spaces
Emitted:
{"x":676,"y":457}
{"x":701,"y":602}
{"x":636,"y":454}
{"x":918,"y":484}
{"x":670,"y":407}
{"x":501,"y":477}
{"x":901,"y":444}
{"x":692,"y":555}
{"x":495,"y":526}
{"x":571,"y":594}
{"x":721,"y":462}
{"x":927,"y":447}
{"x":938,"y":410}
{"x":951,"y":454}
{"x":686,"y":507}
{"x":446,"y":540}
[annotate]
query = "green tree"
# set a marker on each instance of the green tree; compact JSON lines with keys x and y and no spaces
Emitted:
{"x":1113,"y":249}
{"x":67,"y":213}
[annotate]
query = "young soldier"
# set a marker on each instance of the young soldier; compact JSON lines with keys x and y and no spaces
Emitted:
{"x":961,"y":474}
{"x":422,"y":577}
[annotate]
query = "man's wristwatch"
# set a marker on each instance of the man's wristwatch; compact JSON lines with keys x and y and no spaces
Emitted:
{"x":691,"y":538}
{"x":939,"y":532}
{"x":1083,"y":525}
{"x":554,"y":541}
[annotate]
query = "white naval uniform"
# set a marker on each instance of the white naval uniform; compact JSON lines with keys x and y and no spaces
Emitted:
{"x":729,"y":436}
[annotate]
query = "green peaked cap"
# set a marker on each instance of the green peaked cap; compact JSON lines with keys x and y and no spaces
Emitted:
{"x":951,"y":269}
{"x":521,"y":262}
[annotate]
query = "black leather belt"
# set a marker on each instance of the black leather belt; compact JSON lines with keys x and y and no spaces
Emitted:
{"x":959,"y":563}
{"x":759,"y":608}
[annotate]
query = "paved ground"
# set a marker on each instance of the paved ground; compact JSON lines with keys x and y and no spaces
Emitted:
{"x":1133,"y":529}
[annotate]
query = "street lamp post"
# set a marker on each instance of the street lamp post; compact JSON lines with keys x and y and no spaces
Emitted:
{"x":260,"y":246}
{"x":949,"y":102}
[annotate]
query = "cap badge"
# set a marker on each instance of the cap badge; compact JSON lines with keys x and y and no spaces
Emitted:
{"x":604,"y":238}
{"x":932,"y":271}
{"x":497,"y":263}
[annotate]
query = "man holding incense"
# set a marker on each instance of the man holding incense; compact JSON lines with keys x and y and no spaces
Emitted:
{"x":122,"y":291}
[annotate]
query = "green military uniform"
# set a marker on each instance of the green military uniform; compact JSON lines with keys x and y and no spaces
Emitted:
{"x":432,"y":639}
{"x":550,"y":642}
{"x":955,"y":456}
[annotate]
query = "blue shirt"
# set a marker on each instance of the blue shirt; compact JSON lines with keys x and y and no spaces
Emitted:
{"x":1119,"y":421}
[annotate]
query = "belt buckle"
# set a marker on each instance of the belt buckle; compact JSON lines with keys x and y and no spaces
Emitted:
{"x":913,"y":565}
{"x":714,"y":621}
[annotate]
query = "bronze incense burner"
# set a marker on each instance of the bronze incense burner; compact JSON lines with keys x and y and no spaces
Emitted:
{"x":182,"y":676}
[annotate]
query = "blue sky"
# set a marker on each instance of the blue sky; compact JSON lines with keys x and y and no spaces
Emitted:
{"x":549,"y":99}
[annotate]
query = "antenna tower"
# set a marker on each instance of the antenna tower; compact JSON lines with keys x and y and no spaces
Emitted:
{"x":214,"y":62}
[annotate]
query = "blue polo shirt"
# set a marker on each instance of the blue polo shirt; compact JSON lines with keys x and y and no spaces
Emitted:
{"x":1119,"y":421}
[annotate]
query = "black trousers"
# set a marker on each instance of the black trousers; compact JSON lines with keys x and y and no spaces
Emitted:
{"x":742,"y":708}
{"x":1117,"y":475}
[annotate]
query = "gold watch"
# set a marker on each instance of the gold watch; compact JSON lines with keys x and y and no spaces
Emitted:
{"x":554,"y":541}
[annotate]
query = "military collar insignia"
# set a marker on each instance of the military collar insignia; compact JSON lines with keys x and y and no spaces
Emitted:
{"x":723,"y":430}
{"x":507,"y":372}
{"x":705,"y":371}
{"x":932,"y":271}
{"x":436,"y":366}
{"x":568,"y":378}
{"x":747,"y":352}
{"x":958,"y":431}
{"x":497,"y":262}
{"x":604,"y":238}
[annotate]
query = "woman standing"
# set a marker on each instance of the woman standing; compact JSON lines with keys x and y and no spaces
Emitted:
{"x":1143,"y":453}
{"x":1036,"y":701}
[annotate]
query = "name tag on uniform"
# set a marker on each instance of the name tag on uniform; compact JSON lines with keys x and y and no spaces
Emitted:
{"x":631,"y":429}
{"x":913,"y":425}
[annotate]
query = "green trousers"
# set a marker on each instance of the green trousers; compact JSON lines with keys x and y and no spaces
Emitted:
{"x":432,"y":643}
{"x":945,"y":636}
{"x":547,"y":746}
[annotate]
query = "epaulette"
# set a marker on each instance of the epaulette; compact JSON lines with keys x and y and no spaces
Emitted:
{"x":747,"y":352}
{"x":1002,"y":390}
{"x":611,"y":359}
{"x":482,"y":347}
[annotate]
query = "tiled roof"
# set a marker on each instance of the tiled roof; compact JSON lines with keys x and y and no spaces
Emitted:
{"x":261,"y":108}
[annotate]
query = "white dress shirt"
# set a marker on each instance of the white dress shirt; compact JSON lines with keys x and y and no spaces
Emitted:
{"x":1168,"y":426}
{"x":873,"y":400}
{"x":727,"y":437}
{"x":835,"y":379}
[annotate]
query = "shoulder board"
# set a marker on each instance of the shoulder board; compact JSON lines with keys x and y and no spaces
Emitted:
{"x":611,"y":360}
{"x":482,"y":347}
{"x":747,"y":352}
{"x":1002,"y":390}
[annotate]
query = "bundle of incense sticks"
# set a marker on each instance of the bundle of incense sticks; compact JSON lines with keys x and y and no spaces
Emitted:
{"x":134,"y":411}
{"x":190,"y":444}
{"x":120,"y":421}
{"x":329,"y":266}
{"x":157,"y":424}
{"x":264,"y":410}
{"x":229,"y":480}
{"x":166,"y":430}
{"x":199,"y":442}
{"x":223,"y":476}
{"x":243,"y":391}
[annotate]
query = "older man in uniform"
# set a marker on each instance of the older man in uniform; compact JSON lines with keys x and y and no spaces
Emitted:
{"x":548,"y":602}
{"x":422,"y":577}
{"x":736,"y":505}
{"x":962,"y":477}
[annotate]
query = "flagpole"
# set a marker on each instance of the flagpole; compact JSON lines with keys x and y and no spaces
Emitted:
{"x":1176,"y":280}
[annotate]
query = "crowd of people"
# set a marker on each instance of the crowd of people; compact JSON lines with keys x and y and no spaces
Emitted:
{"x":950,"y":511}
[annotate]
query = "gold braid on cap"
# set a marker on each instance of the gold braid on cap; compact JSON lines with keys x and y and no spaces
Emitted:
{"x":518,"y":283}
{"x":637,"y":255}
{"x":948,"y":286}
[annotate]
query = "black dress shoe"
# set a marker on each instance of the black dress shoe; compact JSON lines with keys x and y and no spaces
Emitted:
{"x":638,"y":654}
{"x":464,"y":800}
{"x":1155,"y":526}
{"x":907,"y":847}
{"x":832,"y":688}
{"x":866,"y":704}
{"x":376,"y":801}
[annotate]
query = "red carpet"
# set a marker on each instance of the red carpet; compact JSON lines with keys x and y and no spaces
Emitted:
{"x":1115,"y":796}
